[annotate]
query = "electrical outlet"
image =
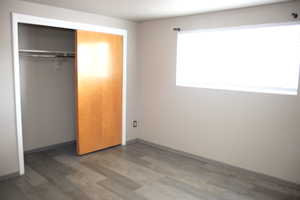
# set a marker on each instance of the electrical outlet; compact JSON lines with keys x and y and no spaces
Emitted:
{"x":134,"y":123}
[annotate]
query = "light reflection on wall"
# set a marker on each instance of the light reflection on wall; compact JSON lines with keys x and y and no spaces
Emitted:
{"x":94,"y":59}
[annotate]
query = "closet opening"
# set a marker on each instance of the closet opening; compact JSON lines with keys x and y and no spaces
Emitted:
{"x":70,"y":85}
{"x":47,"y":79}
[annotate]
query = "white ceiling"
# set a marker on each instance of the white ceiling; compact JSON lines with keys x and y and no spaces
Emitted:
{"x":141,"y":10}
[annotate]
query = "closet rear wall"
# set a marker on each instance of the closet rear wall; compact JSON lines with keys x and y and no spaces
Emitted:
{"x":47,"y":87}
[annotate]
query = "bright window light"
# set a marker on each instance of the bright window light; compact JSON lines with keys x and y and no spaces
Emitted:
{"x":256,"y":59}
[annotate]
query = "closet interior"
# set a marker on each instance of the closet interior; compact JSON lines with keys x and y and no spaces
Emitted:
{"x":47,"y":85}
{"x":71,"y":88}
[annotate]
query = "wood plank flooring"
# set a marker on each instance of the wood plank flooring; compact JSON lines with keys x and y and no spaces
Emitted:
{"x":134,"y":172}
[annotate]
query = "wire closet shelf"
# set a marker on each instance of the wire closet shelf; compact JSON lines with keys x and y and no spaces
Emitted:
{"x":46,"y":53}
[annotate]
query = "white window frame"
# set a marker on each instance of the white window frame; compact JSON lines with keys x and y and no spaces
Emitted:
{"x":241,"y":89}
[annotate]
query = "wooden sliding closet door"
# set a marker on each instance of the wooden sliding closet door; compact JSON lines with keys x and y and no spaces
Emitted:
{"x":99,"y":74}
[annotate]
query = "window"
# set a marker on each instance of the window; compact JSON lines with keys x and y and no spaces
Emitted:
{"x":256,"y":59}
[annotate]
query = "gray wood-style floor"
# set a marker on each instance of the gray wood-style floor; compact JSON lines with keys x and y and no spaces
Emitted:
{"x":134,"y":172}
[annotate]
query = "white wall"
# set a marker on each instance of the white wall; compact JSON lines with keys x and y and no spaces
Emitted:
{"x":47,"y":85}
{"x":259,"y":132}
{"x":8,"y":141}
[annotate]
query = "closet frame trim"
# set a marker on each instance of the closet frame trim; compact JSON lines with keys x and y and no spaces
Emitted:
{"x":34,"y":20}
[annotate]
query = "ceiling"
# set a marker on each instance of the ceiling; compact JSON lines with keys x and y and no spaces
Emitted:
{"x":141,"y":10}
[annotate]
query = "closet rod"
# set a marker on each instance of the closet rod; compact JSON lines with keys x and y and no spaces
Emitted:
{"x":47,"y":54}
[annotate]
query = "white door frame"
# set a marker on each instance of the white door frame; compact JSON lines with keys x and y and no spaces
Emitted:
{"x":28,"y":19}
